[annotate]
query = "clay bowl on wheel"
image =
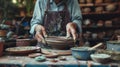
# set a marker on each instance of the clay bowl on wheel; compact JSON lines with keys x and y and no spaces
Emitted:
{"x":59,"y":42}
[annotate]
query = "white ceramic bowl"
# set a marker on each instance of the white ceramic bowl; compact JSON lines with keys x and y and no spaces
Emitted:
{"x":100,"y":58}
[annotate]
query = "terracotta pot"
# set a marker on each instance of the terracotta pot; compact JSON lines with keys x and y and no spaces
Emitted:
{"x":3,"y":33}
{"x":111,"y":7}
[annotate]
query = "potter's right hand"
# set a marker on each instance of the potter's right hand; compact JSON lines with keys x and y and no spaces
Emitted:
{"x":40,"y":33}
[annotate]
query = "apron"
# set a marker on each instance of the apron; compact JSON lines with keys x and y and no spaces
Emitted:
{"x":55,"y":21}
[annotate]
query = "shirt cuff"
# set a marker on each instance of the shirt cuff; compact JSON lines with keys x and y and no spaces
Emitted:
{"x":32,"y":30}
{"x":79,"y":25}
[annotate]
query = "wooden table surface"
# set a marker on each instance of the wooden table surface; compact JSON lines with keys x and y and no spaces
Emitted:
{"x":25,"y":61}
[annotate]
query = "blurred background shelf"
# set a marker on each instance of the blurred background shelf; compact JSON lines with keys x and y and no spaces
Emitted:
{"x":101,"y":20}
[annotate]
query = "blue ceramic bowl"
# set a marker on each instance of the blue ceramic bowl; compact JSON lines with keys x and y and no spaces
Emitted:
{"x":82,"y":53}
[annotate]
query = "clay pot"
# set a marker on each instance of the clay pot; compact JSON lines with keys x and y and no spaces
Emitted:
{"x":111,"y":7}
{"x":100,"y":23}
{"x":3,"y":33}
{"x":99,"y":9}
{"x":108,"y":23}
{"x":86,"y":10}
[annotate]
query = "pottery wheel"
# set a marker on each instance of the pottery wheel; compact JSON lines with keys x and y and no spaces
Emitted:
{"x":59,"y":52}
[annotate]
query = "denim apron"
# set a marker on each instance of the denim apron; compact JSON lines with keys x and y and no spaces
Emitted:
{"x":55,"y":21}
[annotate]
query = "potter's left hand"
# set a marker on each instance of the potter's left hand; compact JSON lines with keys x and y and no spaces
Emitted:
{"x":71,"y":29}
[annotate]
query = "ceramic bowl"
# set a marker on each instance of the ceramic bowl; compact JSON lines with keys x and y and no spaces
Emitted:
{"x":82,"y":53}
{"x":100,"y":58}
{"x":59,"y":42}
{"x":21,"y":50}
{"x":115,"y":55}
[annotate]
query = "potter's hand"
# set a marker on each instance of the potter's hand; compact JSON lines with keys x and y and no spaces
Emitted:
{"x":71,"y":29}
{"x":40,"y":33}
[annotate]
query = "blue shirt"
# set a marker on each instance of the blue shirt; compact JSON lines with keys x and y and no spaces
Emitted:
{"x":40,"y":8}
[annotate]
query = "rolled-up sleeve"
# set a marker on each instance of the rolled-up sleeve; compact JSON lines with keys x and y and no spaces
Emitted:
{"x":37,"y":17}
{"x":39,"y":9}
{"x":75,"y":13}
